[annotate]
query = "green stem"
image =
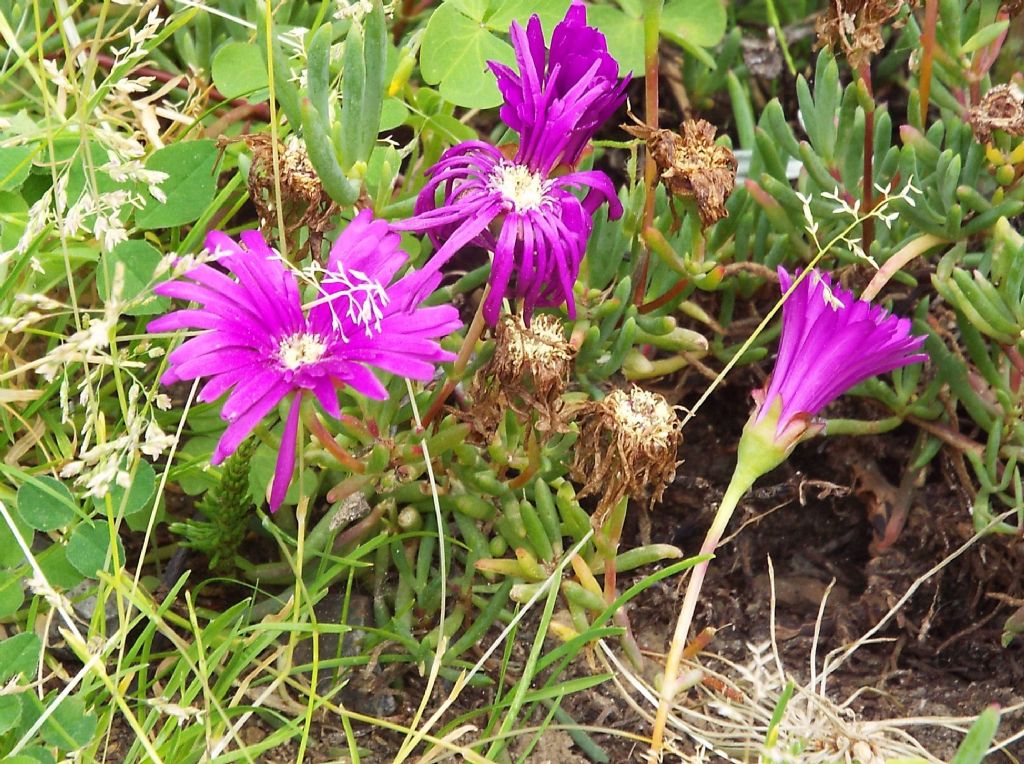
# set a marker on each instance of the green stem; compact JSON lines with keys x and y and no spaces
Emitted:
{"x":742,"y":479}
{"x":780,"y":35}
{"x":862,"y":427}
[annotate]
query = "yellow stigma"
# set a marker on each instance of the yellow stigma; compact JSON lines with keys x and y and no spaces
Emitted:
{"x":517,"y":185}
{"x":300,"y":349}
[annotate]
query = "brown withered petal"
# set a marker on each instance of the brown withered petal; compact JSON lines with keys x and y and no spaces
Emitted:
{"x":302,"y":195}
{"x":1002,"y":108}
{"x":691,"y":165}
{"x":528,"y":373}
{"x":627,"y":446}
{"x":856,"y":26}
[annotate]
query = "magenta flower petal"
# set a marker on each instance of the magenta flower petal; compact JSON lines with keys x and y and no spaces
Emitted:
{"x":285,"y":463}
{"x":536,"y":228}
{"x":259,"y":343}
{"x":559,"y":98}
{"x":520,"y":209}
{"x":830,"y":342}
{"x":242,"y":425}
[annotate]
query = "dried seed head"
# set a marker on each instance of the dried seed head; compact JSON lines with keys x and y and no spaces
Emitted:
{"x":1002,"y":108}
{"x":303,"y":197}
{"x":856,"y":26}
{"x":297,"y":172}
{"x":627,"y":446}
{"x":691,"y":165}
{"x":528,"y":373}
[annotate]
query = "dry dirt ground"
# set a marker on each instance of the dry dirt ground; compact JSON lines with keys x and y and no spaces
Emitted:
{"x":817,"y":518}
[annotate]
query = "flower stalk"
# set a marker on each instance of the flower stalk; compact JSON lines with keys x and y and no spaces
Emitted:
{"x":652,"y":30}
{"x":830,"y":342}
{"x":473,"y":334}
{"x":606,"y":541}
{"x":742,"y":479}
{"x":868,"y":176}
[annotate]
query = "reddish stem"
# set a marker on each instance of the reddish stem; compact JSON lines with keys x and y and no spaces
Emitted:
{"x":651,"y":64}
{"x":657,"y":302}
{"x":931,"y":19}
{"x":316,"y":427}
{"x":476,"y":329}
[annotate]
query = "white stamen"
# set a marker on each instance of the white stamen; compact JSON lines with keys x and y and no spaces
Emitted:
{"x":300,"y":349}
{"x":366,"y":297}
{"x":525,"y":190}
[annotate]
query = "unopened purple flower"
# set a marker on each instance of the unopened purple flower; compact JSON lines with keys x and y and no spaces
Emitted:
{"x":830,"y":342}
{"x":258,"y":340}
{"x":558,"y":99}
{"x":521,"y":209}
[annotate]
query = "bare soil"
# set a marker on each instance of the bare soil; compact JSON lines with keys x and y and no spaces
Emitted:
{"x":816,"y":518}
{"x":819,"y":518}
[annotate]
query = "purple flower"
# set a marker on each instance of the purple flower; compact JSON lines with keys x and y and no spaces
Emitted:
{"x":259,"y":341}
{"x":542,"y":227}
{"x":831,"y":341}
{"x":556,"y":105}
{"x":521,"y":209}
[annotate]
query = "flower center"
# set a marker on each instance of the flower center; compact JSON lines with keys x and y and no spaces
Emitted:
{"x":521,"y":188}
{"x":645,"y":418}
{"x":300,"y":349}
{"x":541,"y":346}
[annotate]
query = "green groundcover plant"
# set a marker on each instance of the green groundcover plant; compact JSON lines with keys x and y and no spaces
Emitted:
{"x":333,"y":335}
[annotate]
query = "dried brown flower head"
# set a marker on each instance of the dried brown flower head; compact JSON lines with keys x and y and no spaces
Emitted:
{"x":303,"y":197}
{"x":691,"y":165}
{"x":627,"y":446}
{"x":856,"y":26}
{"x":1002,"y":108}
{"x":528,"y":373}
